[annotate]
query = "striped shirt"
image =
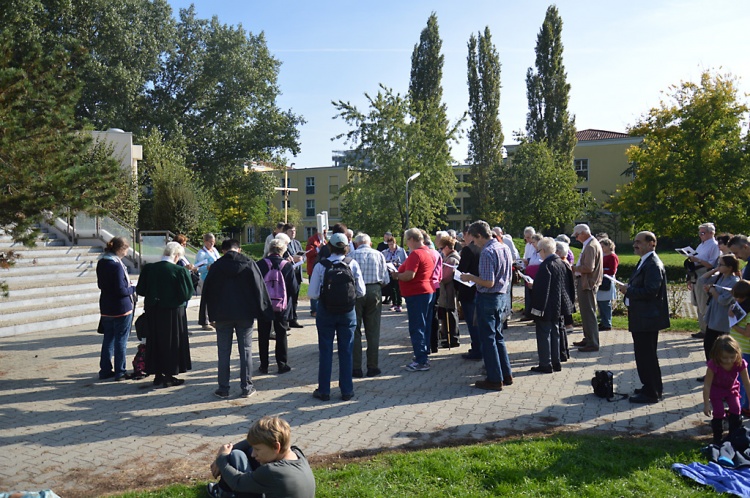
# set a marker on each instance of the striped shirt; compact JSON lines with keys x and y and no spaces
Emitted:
{"x":372,"y":264}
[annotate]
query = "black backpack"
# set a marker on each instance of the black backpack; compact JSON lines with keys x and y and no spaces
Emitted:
{"x":604,"y":385}
{"x":338,"y":293}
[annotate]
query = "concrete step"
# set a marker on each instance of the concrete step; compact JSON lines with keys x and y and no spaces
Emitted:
{"x":25,"y":275}
{"x":63,"y":319}
{"x":63,"y":296}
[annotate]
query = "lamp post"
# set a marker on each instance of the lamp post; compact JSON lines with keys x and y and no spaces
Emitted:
{"x":412,"y":177}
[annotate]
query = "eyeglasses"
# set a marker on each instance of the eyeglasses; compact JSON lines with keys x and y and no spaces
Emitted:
{"x":702,"y":233}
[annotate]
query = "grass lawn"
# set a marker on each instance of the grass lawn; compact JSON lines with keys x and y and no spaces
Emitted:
{"x":564,"y":465}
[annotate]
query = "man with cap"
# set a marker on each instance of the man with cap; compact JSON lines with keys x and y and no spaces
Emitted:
{"x":334,"y":322}
{"x":588,"y":274}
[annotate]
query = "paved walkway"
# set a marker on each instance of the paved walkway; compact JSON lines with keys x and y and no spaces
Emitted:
{"x":61,"y":428}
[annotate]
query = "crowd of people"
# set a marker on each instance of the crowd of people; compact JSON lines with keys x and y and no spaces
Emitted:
{"x":453,"y":281}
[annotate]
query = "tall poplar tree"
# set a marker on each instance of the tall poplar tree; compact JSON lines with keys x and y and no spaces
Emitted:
{"x":548,"y":92}
{"x":432,"y":151}
{"x":486,"y":134}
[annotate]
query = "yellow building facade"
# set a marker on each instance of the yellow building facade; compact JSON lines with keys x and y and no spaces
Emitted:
{"x":600,"y":162}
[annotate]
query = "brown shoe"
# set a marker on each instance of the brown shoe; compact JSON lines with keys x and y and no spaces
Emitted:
{"x":580,"y":343}
{"x":490,"y":386}
{"x":588,"y":349}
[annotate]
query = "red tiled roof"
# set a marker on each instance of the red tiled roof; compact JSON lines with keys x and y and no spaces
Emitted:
{"x":599,"y":135}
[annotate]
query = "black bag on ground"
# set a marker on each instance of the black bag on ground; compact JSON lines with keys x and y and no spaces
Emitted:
{"x":338,"y":293}
{"x":604,"y":385}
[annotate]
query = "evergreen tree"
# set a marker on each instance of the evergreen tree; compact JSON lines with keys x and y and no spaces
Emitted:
{"x":548,"y":92}
{"x":46,"y":163}
{"x":486,"y":134}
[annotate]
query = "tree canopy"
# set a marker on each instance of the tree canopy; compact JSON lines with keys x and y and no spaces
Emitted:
{"x":391,"y":145}
{"x":46,"y":162}
{"x":692,"y":165}
{"x":486,"y":133}
{"x":539,"y":190}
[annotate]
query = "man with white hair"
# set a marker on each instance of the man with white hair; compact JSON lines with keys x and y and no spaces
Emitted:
{"x":369,"y":307}
{"x":588,"y":274}
{"x":706,"y":257}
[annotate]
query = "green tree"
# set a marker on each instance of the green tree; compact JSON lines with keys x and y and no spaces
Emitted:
{"x":247,"y":199}
{"x":486,"y":134}
{"x":123,"y":42}
{"x":218,"y":84}
{"x":46,"y":163}
{"x":548,"y":92}
{"x":391,"y":145}
{"x":541,"y":188}
{"x":692,"y":165}
{"x":425,"y":87}
{"x":174,"y":201}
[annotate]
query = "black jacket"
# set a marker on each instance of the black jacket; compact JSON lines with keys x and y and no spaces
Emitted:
{"x":553,"y":292}
{"x":648,"y":309}
{"x":234,"y":290}
{"x":468,"y":263}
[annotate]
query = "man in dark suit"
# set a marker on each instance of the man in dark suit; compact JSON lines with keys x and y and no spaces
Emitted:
{"x":552,"y":295}
{"x":648,"y":312}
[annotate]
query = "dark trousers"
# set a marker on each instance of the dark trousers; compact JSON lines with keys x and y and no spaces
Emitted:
{"x":647,"y":362}
{"x":448,"y":325}
{"x":709,"y":340}
{"x":280,"y":326}
{"x":203,"y":312}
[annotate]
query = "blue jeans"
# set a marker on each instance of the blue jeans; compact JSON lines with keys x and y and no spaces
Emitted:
{"x":115,"y":343}
{"x":313,"y":305}
{"x":418,"y":309}
{"x":491,"y":312}
{"x":468,"y":305}
{"x":224,"y":336}
{"x":342,"y":327}
{"x":605,"y":313}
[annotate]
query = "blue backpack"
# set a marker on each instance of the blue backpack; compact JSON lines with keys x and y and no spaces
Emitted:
{"x":276,"y":285}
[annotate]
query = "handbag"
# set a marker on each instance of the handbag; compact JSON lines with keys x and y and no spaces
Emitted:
{"x":141,"y":326}
{"x":606,"y":284}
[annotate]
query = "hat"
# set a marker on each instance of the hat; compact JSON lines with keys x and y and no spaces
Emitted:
{"x":581,"y":227}
{"x":338,"y":240}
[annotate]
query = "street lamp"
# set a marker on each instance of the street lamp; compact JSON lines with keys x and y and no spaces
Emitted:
{"x":412,"y":177}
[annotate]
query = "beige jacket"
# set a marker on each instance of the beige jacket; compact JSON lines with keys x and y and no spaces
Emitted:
{"x":589,"y":266}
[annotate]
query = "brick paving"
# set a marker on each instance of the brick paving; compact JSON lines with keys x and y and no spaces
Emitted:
{"x":62,"y":428}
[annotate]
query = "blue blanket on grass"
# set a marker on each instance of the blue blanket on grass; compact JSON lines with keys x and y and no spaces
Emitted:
{"x":724,"y":480}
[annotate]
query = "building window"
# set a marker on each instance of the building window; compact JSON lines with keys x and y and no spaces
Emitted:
{"x":333,"y":212}
{"x":582,"y":169}
{"x":582,"y":190}
{"x":333,"y":189}
{"x":457,"y":208}
{"x":310,"y":208}
{"x":288,"y":182}
{"x":310,"y":186}
{"x":309,"y":231}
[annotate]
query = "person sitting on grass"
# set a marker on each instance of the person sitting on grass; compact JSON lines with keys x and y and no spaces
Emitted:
{"x":264,"y":463}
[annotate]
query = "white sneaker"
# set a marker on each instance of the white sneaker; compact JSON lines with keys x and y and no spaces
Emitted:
{"x":417,"y":367}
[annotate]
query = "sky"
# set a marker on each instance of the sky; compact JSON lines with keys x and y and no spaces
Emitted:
{"x":621,"y":57}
